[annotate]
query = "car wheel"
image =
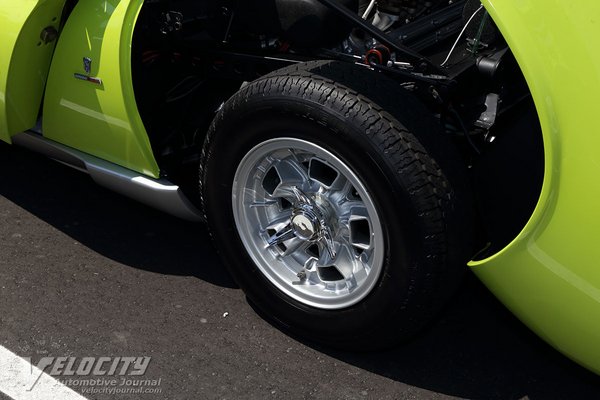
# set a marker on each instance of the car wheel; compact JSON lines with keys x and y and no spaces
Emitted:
{"x":336,"y":203}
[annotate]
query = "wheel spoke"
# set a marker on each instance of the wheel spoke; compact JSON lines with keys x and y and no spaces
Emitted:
{"x":291,"y":173}
{"x":325,"y":259}
{"x":341,"y":185}
{"x":266,"y":203}
{"x":289,"y":192}
{"x":281,"y":236}
{"x":280,"y":221}
{"x":339,"y":190}
{"x":329,"y":244}
{"x":355,"y":210}
{"x":293,"y":245}
{"x":345,"y":262}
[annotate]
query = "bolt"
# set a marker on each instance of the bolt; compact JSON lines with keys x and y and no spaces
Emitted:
{"x":49,"y":34}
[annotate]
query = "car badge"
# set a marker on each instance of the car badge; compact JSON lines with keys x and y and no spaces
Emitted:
{"x":87,"y":67}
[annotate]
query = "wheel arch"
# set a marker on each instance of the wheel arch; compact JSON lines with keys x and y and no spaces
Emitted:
{"x":548,"y":274}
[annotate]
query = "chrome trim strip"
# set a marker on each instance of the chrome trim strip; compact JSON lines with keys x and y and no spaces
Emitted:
{"x":157,"y":193}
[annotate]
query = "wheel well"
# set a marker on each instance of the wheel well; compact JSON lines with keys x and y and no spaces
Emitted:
{"x":189,"y":58}
{"x":508,"y":179}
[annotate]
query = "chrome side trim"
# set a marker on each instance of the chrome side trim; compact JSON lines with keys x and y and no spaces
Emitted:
{"x":157,"y":193}
{"x":35,"y":142}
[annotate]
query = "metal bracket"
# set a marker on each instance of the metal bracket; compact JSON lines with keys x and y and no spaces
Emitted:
{"x":488,"y":117}
{"x":172,"y":21}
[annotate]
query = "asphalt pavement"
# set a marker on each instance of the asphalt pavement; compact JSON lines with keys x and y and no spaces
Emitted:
{"x":87,"y":273}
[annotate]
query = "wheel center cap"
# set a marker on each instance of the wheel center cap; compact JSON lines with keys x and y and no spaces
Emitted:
{"x":305,"y":225}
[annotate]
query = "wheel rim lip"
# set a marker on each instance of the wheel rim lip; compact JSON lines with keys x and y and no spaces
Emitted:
{"x":266,"y":263}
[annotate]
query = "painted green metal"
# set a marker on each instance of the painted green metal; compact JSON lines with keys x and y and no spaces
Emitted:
{"x":549,"y":276}
{"x":98,"y":119}
{"x":24,"y":60}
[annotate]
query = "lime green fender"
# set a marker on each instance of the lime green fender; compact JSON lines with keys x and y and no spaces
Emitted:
{"x":95,"y":111}
{"x":24,"y":60}
{"x":549,"y":276}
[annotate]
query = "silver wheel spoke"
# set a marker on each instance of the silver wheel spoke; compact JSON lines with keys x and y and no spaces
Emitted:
{"x":266,"y":203}
{"x":355,"y":210}
{"x":280,"y":221}
{"x":281,"y":236}
{"x":325,"y":259}
{"x":359,"y":226}
{"x":341,"y":185}
{"x":329,"y":243}
{"x":345,"y":262}
{"x":294,"y":245}
{"x":289,"y":192}
{"x":291,"y":173}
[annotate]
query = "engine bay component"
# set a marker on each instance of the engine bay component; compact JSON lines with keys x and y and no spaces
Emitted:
{"x":378,"y":55}
{"x":305,"y":23}
{"x":407,"y":9}
{"x":482,"y":31}
{"x":439,"y":25}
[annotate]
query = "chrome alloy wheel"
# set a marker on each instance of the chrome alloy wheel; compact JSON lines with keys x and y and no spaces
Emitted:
{"x":308,"y":223}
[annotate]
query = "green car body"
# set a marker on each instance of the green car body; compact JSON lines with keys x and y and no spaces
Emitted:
{"x":548,"y":275}
{"x":115,"y":130}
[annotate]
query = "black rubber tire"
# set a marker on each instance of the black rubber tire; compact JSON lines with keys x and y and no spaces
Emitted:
{"x":415,"y":179}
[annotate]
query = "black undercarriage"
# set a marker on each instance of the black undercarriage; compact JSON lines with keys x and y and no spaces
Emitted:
{"x":191,"y":56}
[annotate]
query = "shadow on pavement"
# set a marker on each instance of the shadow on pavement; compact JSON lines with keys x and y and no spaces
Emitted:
{"x":112,"y":225}
{"x":479,"y":350}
